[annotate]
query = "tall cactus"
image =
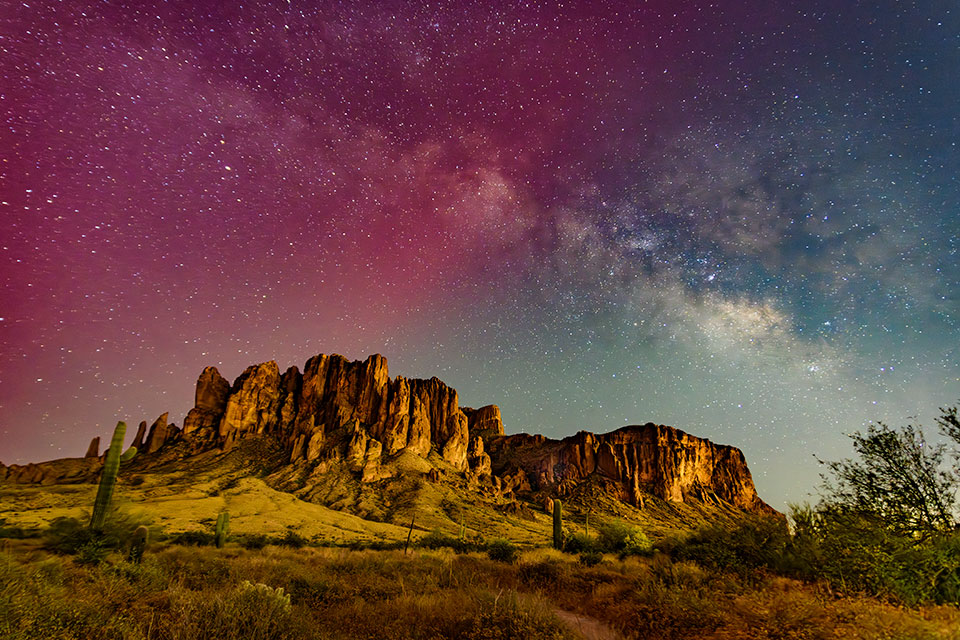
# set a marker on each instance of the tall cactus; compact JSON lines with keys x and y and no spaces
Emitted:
{"x":557,"y":525}
{"x":101,"y":505}
{"x":223,"y":528}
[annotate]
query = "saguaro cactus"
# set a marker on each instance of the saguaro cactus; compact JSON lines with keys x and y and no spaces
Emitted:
{"x":557,"y":525}
{"x":223,"y":528}
{"x":101,"y":505}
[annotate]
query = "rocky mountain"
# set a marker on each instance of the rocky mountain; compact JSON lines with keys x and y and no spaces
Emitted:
{"x":339,"y":416}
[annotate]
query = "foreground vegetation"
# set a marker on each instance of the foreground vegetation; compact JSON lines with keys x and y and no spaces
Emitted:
{"x":204,"y":592}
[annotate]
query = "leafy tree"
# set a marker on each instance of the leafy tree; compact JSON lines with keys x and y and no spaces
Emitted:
{"x":899,"y":478}
{"x":887,"y":520}
{"x":950,"y":427}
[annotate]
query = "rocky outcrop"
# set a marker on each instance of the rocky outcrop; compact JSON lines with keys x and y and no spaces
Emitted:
{"x":62,"y":471}
{"x":484,"y":421}
{"x":478,"y":459}
{"x":210,"y":401}
{"x":93,"y":451}
{"x":160,"y":434}
{"x":141,"y":434}
{"x":320,"y":412}
{"x":253,"y":406}
{"x":639,"y":460}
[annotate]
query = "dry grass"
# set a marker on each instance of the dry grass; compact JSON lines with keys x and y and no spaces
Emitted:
{"x":181,"y":592}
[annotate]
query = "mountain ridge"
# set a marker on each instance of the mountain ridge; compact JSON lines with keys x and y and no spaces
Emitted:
{"x":349,"y":417}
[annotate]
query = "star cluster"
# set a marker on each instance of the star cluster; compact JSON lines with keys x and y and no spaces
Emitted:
{"x":741,"y":221}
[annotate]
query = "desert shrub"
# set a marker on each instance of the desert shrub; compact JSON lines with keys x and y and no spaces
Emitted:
{"x":945,"y":569}
{"x":253,"y":541}
{"x":437,"y":539}
{"x":93,"y":551}
{"x":617,"y":536}
{"x":147,"y":575}
{"x":192,"y":538}
{"x":579,"y":543}
{"x":72,"y":536}
{"x":293,"y":540}
{"x":659,"y":612}
{"x":859,"y":552}
{"x":756,"y":542}
{"x":887,"y":520}
{"x":310,"y":592}
{"x":511,"y":616}
{"x":67,"y":535}
{"x":689,"y":575}
{"x":541,"y":575}
{"x":197,"y":568}
{"x":590,"y":558}
{"x":637,"y":543}
{"x":926,"y":571}
{"x":502,"y":551}
{"x":802,"y":556}
{"x":376,"y":545}
{"x":250,"y":611}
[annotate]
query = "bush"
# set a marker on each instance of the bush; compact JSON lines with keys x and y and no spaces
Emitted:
{"x":502,"y":551}
{"x":619,"y":537}
{"x":541,"y":576}
{"x":67,"y":535}
{"x":293,"y":540}
{"x":757,"y":542}
{"x":437,"y":539}
{"x":254,"y":541}
{"x":579,"y":543}
{"x":590,"y":558}
{"x":93,"y":551}
{"x":254,"y":611}
{"x":193,"y":538}
{"x":859,"y":552}
{"x":637,"y":543}
{"x":72,"y":536}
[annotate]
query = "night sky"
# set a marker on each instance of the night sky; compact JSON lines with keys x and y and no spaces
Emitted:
{"x":739,"y":219}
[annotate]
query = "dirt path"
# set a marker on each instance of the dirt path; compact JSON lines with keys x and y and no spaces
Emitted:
{"x":588,"y":628}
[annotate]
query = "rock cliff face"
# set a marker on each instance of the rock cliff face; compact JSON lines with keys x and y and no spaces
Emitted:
{"x":354,"y":413}
{"x":638,"y":460}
